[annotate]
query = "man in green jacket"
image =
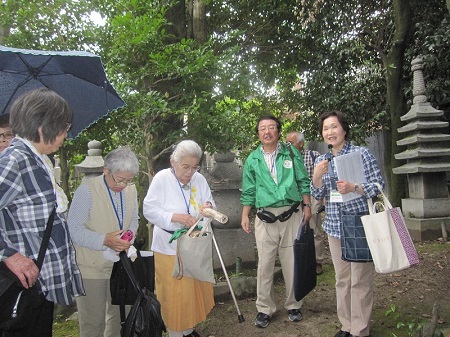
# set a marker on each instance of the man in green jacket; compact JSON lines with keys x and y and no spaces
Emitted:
{"x":274,"y":181}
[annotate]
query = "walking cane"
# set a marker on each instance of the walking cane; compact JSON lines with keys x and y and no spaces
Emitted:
{"x":209,"y":212}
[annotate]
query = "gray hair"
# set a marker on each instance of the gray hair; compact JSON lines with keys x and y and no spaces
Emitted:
{"x":40,"y":108}
{"x":122,"y":159}
{"x":186,"y":148}
{"x":299,"y":136}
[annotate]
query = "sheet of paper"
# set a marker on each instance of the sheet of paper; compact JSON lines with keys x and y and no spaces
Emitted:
{"x":350,"y":167}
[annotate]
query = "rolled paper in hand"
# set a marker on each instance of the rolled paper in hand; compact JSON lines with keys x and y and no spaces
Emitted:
{"x":212,"y":213}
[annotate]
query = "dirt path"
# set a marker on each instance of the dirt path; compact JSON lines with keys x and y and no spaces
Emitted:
{"x":413,"y":292}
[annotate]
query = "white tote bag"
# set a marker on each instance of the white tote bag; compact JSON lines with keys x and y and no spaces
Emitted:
{"x":389,"y":241}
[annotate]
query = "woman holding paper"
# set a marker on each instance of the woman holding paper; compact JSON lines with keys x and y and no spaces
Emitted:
{"x":354,"y":281}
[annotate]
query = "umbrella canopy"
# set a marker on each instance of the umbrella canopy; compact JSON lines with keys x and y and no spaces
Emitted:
{"x":79,"y":77}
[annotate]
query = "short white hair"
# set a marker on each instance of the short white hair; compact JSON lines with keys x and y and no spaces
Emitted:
{"x":186,"y":148}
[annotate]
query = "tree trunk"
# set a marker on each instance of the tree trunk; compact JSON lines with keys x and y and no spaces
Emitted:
{"x":199,"y":22}
{"x":393,"y":63}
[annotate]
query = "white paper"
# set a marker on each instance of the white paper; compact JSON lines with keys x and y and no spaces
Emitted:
{"x":350,"y":167}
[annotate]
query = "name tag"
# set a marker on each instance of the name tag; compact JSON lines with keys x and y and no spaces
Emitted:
{"x":335,"y":196}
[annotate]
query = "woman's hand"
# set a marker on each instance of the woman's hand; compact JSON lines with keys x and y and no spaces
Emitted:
{"x":320,"y":169}
{"x":205,"y":205}
{"x":344,"y":187}
{"x":24,"y":268}
{"x":113,"y":241}
{"x":184,"y":219}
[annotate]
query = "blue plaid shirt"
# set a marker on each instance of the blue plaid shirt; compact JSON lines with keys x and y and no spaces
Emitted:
{"x":332,"y":222}
{"x":27,"y":200}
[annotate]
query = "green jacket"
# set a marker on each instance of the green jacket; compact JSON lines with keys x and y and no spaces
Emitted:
{"x":260,"y":190}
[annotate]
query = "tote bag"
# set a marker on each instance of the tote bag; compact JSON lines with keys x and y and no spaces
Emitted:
{"x":305,"y":277}
{"x":388,"y":238}
{"x":194,"y":255}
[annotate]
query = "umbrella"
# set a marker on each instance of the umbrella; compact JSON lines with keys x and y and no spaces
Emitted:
{"x":77,"y":76}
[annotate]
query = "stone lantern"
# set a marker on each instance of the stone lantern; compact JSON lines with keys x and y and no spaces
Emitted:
{"x":427,"y":210}
{"x":92,"y":165}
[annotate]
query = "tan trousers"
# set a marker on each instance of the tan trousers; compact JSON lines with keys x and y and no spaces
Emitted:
{"x":316,"y":224}
{"x":97,"y":317}
{"x":354,"y":291}
{"x":272,"y":239}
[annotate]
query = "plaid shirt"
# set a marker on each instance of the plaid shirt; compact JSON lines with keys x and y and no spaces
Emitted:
{"x":309,"y":160}
{"x":27,"y":200}
{"x":332,"y":222}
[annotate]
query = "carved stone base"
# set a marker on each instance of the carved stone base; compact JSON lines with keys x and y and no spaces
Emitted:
{"x":427,"y":229}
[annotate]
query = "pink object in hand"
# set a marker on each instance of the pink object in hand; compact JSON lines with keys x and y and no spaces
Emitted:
{"x":127,"y":235}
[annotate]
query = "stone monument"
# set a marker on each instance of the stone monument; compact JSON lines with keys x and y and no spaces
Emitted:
{"x":427,"y":210}
{"x":225,"y":181}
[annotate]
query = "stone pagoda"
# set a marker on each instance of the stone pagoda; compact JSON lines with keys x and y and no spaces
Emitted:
{"x":427,"y":210}
{"x":92,"y":165}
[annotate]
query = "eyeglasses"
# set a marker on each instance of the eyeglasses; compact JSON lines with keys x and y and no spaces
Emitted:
{"x":7,"y":135}
{"x":187,"y":168}
{"x":271,"y":127}
{"x":126,"y":182}
{"x":68,"y":127}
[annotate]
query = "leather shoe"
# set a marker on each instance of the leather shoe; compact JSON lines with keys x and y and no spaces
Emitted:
{"x":342,"y":334}
{"x":193,"y":334}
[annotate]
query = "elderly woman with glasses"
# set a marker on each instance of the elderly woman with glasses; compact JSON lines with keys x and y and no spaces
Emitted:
{"x":175,"y":200}
{"x":102,"y":209}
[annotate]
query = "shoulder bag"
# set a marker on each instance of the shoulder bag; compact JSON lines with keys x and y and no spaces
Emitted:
{"x":354,"y":247}
{"x":17,"y":303}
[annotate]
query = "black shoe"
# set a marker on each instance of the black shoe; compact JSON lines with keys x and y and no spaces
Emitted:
{"x":193,"y":334}
{"x":262,"y":320}
{"x":295,"y":315}
{"x":342,"y":334}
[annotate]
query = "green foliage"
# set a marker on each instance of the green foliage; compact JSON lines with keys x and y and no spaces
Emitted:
{"x":412,"y":328}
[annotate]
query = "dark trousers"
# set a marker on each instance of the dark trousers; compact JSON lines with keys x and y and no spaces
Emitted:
{"x":40,"y":324}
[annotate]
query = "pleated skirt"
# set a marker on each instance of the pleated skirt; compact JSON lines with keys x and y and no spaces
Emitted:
{"x":185,"y":302}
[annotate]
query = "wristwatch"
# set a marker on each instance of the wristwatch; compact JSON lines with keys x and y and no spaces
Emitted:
{"x":356,"y":188}
{"x":307,"y":205}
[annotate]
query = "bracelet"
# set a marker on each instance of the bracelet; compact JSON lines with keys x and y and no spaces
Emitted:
{"x":307,"y":205}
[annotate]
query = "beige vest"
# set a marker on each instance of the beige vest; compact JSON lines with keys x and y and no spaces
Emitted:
{"x":102,"y":218}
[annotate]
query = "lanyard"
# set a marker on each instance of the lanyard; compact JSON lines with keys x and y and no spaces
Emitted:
{"x":182,"y":191}
{"x":114,"y":205}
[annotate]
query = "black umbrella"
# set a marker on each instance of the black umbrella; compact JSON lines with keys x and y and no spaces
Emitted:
{"x":77,"y":76}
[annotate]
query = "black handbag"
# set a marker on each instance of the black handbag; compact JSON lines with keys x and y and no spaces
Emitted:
{"x":305,"y":276}
{"x":144,"y":318}
{"x":354,"y":247}
{"x":122,"y":290}
{"x":17,"y":303}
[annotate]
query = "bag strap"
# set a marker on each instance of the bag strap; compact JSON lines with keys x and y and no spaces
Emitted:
{"x":45,"y":240}
{"x":386,"y":203}
{"x":126,"y":262}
